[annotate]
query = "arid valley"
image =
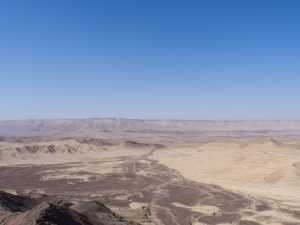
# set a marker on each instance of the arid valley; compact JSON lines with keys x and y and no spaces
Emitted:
{"x":155,"y":172}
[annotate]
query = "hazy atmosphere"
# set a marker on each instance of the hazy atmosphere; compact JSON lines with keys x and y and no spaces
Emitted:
{"x":150,"y":112}
{"x":150,"y":59}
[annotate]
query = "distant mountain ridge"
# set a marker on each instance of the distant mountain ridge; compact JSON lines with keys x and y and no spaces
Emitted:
{"x":90,"y":127}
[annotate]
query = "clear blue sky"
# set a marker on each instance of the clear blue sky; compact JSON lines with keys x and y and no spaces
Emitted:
{"x":211,"y":59}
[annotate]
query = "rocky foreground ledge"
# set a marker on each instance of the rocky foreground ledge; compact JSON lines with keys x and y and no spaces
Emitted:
{"x":44,"y":210}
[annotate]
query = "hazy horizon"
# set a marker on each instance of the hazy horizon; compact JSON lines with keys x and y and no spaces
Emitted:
{"x":147,"y":119}
{"x":158,"y":112}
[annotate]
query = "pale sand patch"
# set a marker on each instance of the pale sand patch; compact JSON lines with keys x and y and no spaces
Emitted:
{"x":13,"y":192}
{"x":137,"y":205}
{"x":122,"y":197}
{"x":205,"y":209}
{"x":145,"y":173}
{"x":261,"y":169}
{"x":84,"y":178}
{"x":274,"y":217}
{"x":199,"y":223}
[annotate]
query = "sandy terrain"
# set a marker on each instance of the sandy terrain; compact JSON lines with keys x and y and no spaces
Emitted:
{"x":155,"y":177}
{"x":264,"y":168}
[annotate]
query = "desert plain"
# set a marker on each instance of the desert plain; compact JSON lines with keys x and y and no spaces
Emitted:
{"x":152,"y":172}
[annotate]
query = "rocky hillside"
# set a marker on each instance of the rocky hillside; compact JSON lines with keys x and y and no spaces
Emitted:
{"x":22,"y":210}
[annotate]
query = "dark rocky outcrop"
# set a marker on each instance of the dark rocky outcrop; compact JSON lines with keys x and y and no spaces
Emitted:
{"x":23,"y":210}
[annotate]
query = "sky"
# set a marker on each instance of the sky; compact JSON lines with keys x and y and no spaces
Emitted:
{"x":150,"y":59}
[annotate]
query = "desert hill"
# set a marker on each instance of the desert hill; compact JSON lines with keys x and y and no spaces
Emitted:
{"x":24,"y":210}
